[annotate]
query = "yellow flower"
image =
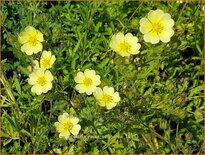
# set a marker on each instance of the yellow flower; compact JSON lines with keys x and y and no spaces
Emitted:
{"x":41,"y":81}
{"x":106,"y":97}
{"x":31,"y":40}
{"x":125,"y":45}
{"x":47,"y":60}
{"x":87,"y":81}
{"x":157,"y":26}
{"x":36,"y":64}
{"x":67,"y":125}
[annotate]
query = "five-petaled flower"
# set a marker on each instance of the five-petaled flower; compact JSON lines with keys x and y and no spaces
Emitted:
{"x":31,"y":40}
{"x":107,"y":97}
{"x":67,"y":125}
{"x":125,"y":45}
{"x":47,"y":60}
{"x":87,"y":81}
{"x":41,"y":81}
{"x":157,"y":26}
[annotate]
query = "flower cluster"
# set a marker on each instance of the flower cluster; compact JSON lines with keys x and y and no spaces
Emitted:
{"x":41,"y":78}
{"x":88,"y":81}
{"x":157,"y":26}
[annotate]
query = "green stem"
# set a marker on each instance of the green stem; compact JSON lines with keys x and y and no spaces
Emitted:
{"x":135,"y":11}
{"x":95,"y":129}
{"x":10,"y":94}
{"x":181,"y":13}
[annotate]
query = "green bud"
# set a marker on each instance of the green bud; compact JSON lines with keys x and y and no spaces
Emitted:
{"x":134,"y":22}
{"x":167,"y":150}
{"x":179,"y":142}
{"x":163,"y":124}
{"x":72,"y":111}
{"x":178,"y":100}
{"x":170,"y":86}
{"x":181,"y":114}
{"x":57,"y":150}
{"x":198,"y":115}
{"x":188,"y":136}
{"x":157,"y":97}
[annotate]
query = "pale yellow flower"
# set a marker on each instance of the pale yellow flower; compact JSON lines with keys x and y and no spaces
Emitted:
{"x":47,"y":60}
{"x":87,"y":81}
{"x":36,"y":64}
{"x":125,"y":45}
{"x":106,"y":97}
{"x":41,"y":81}
{"x":67,"y":125}
{"x":31,"y":40}
{"x":157,"y":26}
{"x":179,"y":1}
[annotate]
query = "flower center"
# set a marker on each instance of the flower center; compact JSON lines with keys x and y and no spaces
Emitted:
{"x":33,"y":40}
{"x":157,"y":27}
{"x":45,"y":63}
{"x":87,"y":82}
{"x":68,"y":126}
{"x":42,"y":80}
{"x":124,"y":47}
{"x":106,"y":99}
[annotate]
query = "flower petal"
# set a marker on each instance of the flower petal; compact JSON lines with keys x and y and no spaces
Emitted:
{"x":49,"y":75}
{"x":59,"y":126}
{"x":166,"y":35}
{"x":116,"y":97}
{"x":111,"y":105}
{"x":108,"y":90}
{"x":98,"y":93}
{"x":155,"y":15}
{"x":76,"y":129}
{"x":79,"y":78}
{"x":37,"y":48}
{"x":64,"y":135}
{"x":74,"y":120}
{"x":151,"y":37}
{"x":89,"y":73}
{"x":26,"y":48}
{"x":145,"y":25}
{"x":63,"y":118}
{"x":39,"y":36}
{"x":80,"y":88}
{"x":97,"y":80}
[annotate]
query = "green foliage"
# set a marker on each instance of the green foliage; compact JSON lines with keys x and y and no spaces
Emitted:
{"x":161,"y":88}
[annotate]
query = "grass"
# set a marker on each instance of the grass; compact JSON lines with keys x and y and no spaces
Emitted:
{"x":161,"y":88}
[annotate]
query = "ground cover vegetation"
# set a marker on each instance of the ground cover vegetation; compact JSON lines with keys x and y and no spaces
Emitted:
{"x":102,"y":77}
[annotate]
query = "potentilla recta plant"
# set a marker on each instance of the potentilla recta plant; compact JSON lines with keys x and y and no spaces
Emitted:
{"x":102,"y":78}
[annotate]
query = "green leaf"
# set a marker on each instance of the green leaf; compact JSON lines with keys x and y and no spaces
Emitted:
{"x":17,"y":85}
{"x":24,"y":70}
{"x":103,"y":63}
{"x":7,"y":142}
{"x":73,"y":63}
{"x":196,"y":90}
{"x":25,"y":132}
